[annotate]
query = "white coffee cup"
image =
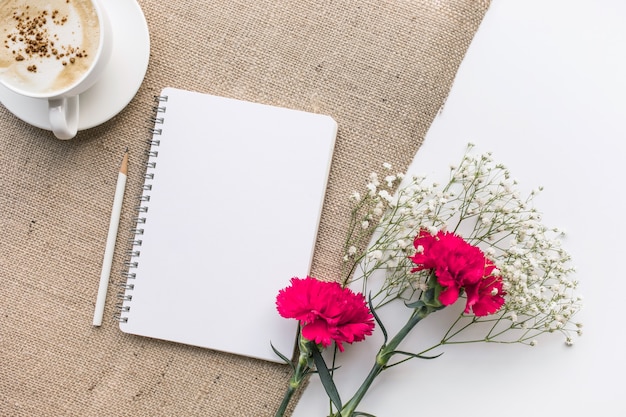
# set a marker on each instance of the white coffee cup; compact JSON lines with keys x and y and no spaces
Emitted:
{"x":54,"y":50}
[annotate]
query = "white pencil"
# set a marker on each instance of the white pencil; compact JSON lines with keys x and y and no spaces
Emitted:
{"x":110,"y":243}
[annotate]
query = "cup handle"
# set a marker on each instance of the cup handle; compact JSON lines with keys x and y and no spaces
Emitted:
{"x":63,"y":114}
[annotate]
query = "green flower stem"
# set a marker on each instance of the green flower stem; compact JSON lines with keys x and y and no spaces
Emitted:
{"x":286,"y":399}
{"x":300,"y":370}
{"x":382,"y":359}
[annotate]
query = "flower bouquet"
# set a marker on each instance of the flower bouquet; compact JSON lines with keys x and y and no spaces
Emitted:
{"x":473,"y":240}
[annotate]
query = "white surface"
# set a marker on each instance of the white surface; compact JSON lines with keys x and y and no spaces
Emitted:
{"x":119,"y":83}
{"x":543,"y":87}
{"x":233,"y":215}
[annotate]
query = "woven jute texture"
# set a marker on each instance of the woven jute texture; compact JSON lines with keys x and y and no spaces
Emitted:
{"x":381,"y":68}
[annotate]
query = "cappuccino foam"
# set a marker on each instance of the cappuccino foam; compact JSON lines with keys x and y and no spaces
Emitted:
{"x":46,"y":45}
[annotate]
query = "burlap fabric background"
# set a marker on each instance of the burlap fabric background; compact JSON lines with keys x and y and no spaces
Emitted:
{"x":382,"y":69}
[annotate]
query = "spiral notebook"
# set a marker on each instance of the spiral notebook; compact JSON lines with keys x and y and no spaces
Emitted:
{"x":229,"y":214}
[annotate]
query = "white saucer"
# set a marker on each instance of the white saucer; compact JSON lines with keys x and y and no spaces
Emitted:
{"x":120,"y":80}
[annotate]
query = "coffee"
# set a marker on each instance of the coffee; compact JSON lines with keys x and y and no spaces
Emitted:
{"x":46,"y":45}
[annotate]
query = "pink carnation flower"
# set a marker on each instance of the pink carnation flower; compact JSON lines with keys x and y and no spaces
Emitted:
{"x":459,"y":266}
{"x":327,"y":312}
{"x":487,"y":296}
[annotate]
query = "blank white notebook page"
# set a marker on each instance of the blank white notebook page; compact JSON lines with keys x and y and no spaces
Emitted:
{"x":232,"y":216}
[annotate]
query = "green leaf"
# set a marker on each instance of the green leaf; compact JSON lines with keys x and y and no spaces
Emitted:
{"x":378,"y":321}
{"x":283,"y":357}
{"x":415,"y":355}
{"x":325,"y":377}
{"x":360,"y":413}
{"x":415,"y":304}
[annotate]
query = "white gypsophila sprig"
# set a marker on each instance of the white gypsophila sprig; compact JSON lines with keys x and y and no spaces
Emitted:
{"x":481,"y":203}
{"x":369,"y":207}
{"x":535,"y":268}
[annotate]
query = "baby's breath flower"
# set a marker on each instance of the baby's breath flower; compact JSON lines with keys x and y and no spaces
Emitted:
{"x":384,"y":194}
{"x":390,"y":180}
{"x":376,"y":255}
{"x":371,"y":187}
{"x":482,"y":203}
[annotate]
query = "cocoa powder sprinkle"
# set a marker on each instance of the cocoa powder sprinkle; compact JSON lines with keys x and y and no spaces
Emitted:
{"x":31,"y":38}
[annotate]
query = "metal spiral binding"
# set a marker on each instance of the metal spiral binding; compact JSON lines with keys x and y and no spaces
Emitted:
{"x":125,"y":296}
